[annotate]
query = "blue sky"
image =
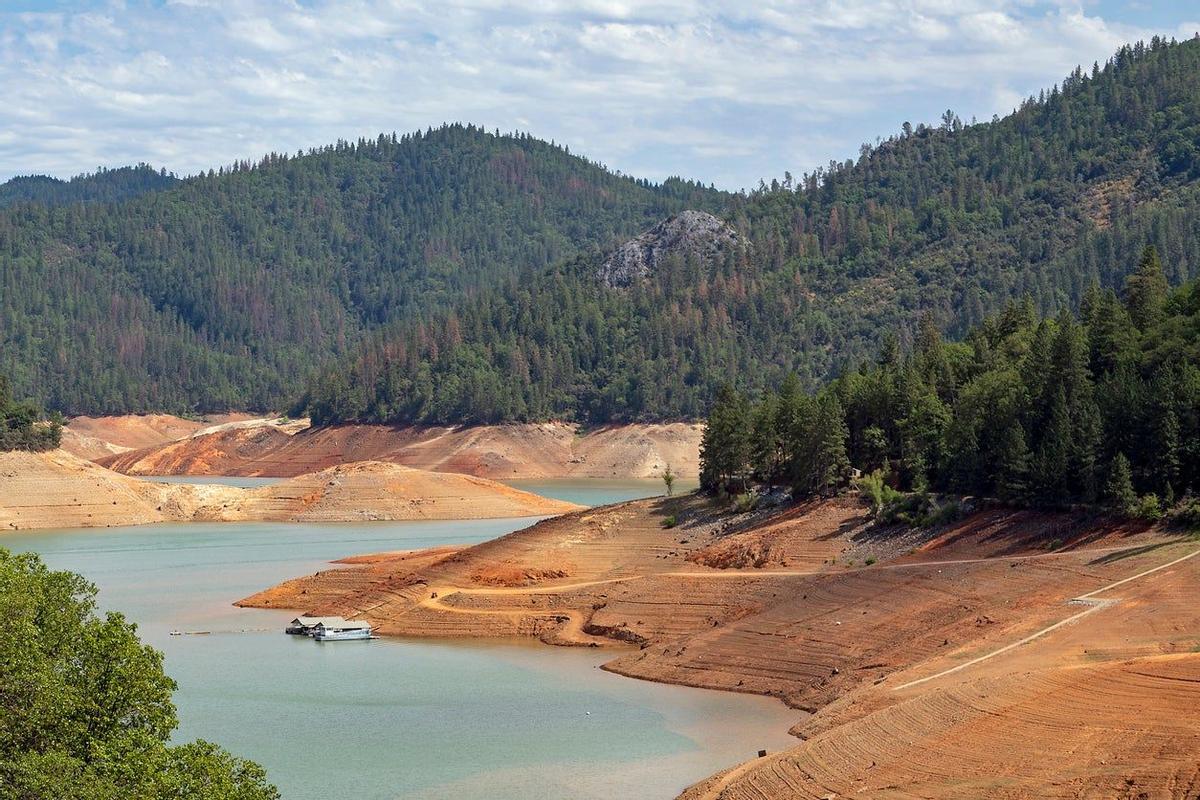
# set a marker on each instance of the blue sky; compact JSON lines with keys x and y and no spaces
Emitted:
{"x":725,"y":92}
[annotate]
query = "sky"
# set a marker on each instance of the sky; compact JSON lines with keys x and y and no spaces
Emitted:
{"x":723,"y":92}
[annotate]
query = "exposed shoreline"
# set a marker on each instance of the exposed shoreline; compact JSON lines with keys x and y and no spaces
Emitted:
{"x":59,"y":490}
{"x":286,"y":448}
{"x":783,"y":603}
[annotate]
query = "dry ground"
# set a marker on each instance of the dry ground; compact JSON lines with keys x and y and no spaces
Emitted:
{"x":59,"y":490}
{"x":549,"y":450}
{"x":908,"y":665}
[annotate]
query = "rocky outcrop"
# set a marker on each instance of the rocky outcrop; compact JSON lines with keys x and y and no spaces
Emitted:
{"x":694,"y":233}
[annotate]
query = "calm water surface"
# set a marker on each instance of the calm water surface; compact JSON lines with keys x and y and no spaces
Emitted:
{"x":220,"y":480}
{"x":398,"y":718}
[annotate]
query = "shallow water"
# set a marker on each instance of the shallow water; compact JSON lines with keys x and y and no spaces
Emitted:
{"x":220,"y":480}
{"x":599,"y":491}
{"x":396,"y":718}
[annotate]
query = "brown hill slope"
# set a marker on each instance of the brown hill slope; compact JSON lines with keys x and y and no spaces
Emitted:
{"x":549,"y":450}
{"x":59,"y":490}
{"x":94,"y":438}
{"x":871,"y":651}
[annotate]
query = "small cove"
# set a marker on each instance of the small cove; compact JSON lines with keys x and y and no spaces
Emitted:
{"x":399,"y":718}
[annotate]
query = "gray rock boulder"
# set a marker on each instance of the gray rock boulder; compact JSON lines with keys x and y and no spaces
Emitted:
{"x":689,"y":232}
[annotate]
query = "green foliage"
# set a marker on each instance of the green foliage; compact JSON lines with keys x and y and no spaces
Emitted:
{"x":1188,"y":515}
{"x":670,"y":521}
{"x":1119,"y":492}
{"x":936,"y":226}
{"x":745,"y":503}
{"x":230,"y":288}
{"x":104,"y":186}
{"x":1036,"y":412}
{"x":85,"y":709}
{"x":874,"y":489}
{"x":668,"y":479}
{"x":725,"y":444}
{"x":1146,"y":290}
{"x":22,"y":426}
{"x":1148,"y":508}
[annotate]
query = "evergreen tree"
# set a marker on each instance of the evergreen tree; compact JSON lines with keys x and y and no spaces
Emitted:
{"x":1013,"y":465}
{"x":765,"y":443}
{"x":1119,"y":489}
{"x":725,"y":444}
{"x":830,"y":464}
{"x":1146,"y":290}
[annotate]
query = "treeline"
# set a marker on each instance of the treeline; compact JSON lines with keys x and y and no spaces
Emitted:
{"x":22,"y":426}
{"x":1102,"y":407}
{"x":227,"y":289}
{"x":451,"y":275}
{"x":951,"y":222}
{"x":102,"y":186}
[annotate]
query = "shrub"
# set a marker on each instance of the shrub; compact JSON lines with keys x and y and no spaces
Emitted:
{"x":722,"y":497}
{"x":1188,"y":515}
{"x":670,"y":522}
{"x":942,"y":515}
{"x":746,"y":502}
{"x":870,"y":560}
{"x":875,"y":491}
{"x":1148,"y":508}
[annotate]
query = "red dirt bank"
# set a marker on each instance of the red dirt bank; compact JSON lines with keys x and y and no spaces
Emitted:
{"x":1113,"y":696}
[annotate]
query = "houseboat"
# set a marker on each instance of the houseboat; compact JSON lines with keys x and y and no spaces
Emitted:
{"x":307,"y":626}
{"x":326,"y":631}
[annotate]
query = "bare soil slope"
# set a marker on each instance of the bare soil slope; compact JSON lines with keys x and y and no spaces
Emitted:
{"x":371,"y":490}
{"x":959,"y":654}
{"x":59,"y":490}
{"x":94,"y":438}
{"x":549,"y":450}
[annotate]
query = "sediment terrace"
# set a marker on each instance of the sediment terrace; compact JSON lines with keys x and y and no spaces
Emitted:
{"x":907,"y":665}
{"x":59,"y":490}
{"x":526,"y":451}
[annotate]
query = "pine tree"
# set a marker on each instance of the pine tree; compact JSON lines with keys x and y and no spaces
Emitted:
{"x":765,"y":442}
{"x":830,"y":464}
{"x":1013,"y":465}
{"x":1146,"y":290}
{"x":1119,"y":490}
{"x":725,"y":444}
{"x":1054,"y":452}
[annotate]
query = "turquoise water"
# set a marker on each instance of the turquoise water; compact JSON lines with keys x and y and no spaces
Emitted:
{"x":396,"y":718}
{"x":599,"y":491}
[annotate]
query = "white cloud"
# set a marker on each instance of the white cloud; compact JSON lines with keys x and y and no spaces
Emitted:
{"x":721,"y":90}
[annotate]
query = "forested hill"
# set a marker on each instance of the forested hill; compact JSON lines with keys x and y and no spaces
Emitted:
{"x":227,"y":289}
{"x":954,"y":220}
{"x":104,"y":186}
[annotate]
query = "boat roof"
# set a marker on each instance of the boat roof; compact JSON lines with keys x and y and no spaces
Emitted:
{"x":343,"y":624}
{"x":310,"y":622}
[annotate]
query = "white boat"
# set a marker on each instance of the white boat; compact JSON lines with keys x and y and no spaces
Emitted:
{"x":341,"y":631}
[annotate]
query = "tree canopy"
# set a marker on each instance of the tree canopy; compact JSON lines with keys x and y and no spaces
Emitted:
{"x":22,"y":426}
{"x":85,"y":708}
{"x":1090,"y":408}
{"x":948,"y":223}
{"x":452,"y":276}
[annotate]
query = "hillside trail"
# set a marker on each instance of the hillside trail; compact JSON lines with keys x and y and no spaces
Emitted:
{"x":1093,"y":605}
{"x":730,"y":776}
{"x":573,"y":631}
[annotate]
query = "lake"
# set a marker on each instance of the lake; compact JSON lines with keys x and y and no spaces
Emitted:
{"x":399,"y":718}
